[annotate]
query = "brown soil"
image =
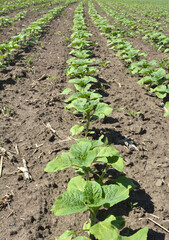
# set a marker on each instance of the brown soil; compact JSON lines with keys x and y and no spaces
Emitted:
{"x":30,"y":98}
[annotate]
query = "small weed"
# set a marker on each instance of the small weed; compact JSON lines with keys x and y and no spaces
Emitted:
{"x":42,"y":45}
{"x":58,"y":33}
{"x":140,"y":156}
{"x":123,"y":108}
{"x":131,"y":113}
{"x":104,"y":63}
{"x":29,"y":60}
{"x":43,"y":89}
{"x":133,"y":205}
{"x":66,"y":40}
{"x":30,"y":69}
{"x":102,"y":87}
{"x":95,"y":43}
{"x":6,"y":111}
{"x":53,"y":78}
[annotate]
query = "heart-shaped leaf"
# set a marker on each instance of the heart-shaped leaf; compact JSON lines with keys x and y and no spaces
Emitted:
{"x":59,"y":163}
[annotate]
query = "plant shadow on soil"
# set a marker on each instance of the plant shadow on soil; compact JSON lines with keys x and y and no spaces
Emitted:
{"x":138,"y":202}
{"x":139,"y":196}
{"x":9,"y":81}
{"x":112,"y":135}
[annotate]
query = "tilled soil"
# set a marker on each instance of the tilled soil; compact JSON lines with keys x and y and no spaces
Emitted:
{"x":30,"y":100}
{"x":137,"y":41}
{"x":6,"y":32}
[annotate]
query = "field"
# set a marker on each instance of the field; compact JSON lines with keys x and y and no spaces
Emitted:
{"x":121,"y":49}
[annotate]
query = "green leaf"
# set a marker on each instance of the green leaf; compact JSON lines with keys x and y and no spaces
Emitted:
{"x":66,"y":91}
{"x":135,"y":70}
{"x":81,"y":105}
{"x":93,"y":193}
{"x":67,"y":235}
{"x":105,"y":151}
{"x":77,"y":104}
{"x":159,"y":74}
{"x":160,"y":88}
{"x":94,"y":143}
{"x":82,"y":238}
{"x":81,"y":54}
{"x":76,"y":129}
{"x":76,"y":183}
{"x":126,"y":182}
{"x":140,"y":235}
{"x":146,"y":71}
{"x":76,"y":200}
{"x":161,"y":91}
{"x":161,"y":95}
{"x":166,"y":114}
{"x":167,"y":107}
{"x":102,"y":110}
{"x":114,"y":194}
{"x":118,"y":222}
{"x":78,"y":62}
{"x":80,"y":149}
{"x":80,"y":154}
{"x":59,"y":163}
{"x":83,"y":81}
{"x":79,"y":71}
{"x":81,"y":34}
{"x":91,"y":70}
{"x":74,"y":96}
{"x":116,"y":162}
{"x":82,"y":88}
{"x":94,"y":95}
{"x":69,"y":202}
{"x":105,"y":230}
{"x":166,"y":50}
{"x":110,"y":156}
{"x":69,"y":106}
{"x":86,"y":225}
{"x":144,"y":80}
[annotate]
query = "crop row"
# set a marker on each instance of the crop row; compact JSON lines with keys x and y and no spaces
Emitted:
{"x":155,"y":10}
{"x":130,"y":16}
{"x":7,"y":21}
{"x":142,"y":20}
{"x":28,"y":36}
{"x":152,"y":75}
{"x":137,"y":26}
{"x":89,"y":190}
{"x":15,"y":5}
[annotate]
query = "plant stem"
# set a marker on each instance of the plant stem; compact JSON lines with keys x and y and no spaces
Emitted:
{"x":87,"y":124}
{"x":81,"y":231}
{"x":103,"y":173}
{"x":87,"y":175}
{"x":92,"y":217}
{"x":93,"y":213}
